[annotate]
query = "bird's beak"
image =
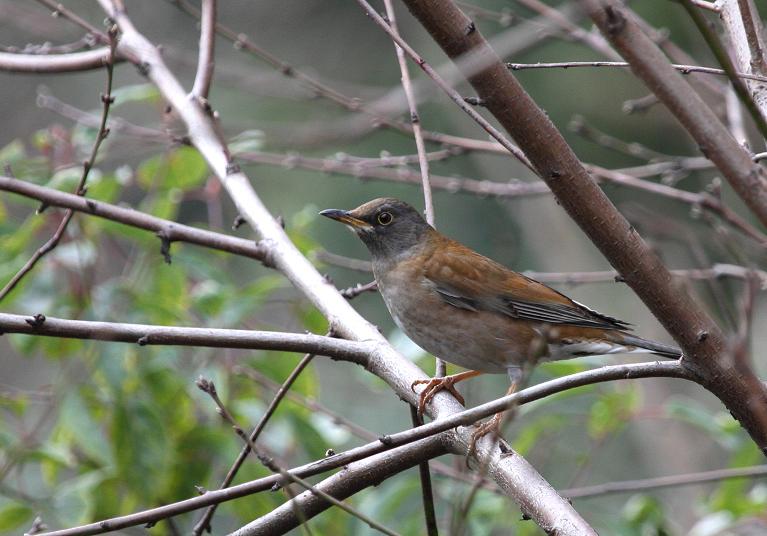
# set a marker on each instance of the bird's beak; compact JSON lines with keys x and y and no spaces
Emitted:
{"x":345,"y":217}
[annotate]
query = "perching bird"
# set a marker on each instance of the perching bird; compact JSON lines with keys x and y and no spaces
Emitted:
{"x":473,"y":312}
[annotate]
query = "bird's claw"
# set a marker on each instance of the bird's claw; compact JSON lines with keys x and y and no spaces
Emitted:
{"x":434,"y":386}
{"x":493,"y":426}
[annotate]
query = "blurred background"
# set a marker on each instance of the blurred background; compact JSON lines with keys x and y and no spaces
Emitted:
{"x":91,"y":430}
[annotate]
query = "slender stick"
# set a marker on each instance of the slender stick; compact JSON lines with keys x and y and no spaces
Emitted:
{"x":684,"y":69}
{"x":447,"y":88}
{"x":427,"y":494}
{"x":55,"y":63}
{"x":150,"y":335}
{"x":101,"y":134}
{"x":206,"y":56}
{"x":210,"y":388}
{"x":204,"y":523}
{"x":423,"y":162}
{"x":632,"y":486}
{"x":719,"y":51}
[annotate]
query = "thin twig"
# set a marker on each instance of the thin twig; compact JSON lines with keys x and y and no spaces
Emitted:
{"x":632,"y":486}
{"x":423,"y":162}
{"x":209,"y":387}
{"x":150,"y":335}
{"x":446,"y":88}
{"x":415,"y":120}
{"x":684,"y":69}
{"x":80,"y":190}
{"x":352,"y":292}
{"x":206,"y":55}
{"x":204,"y":523}
{"x":427,"y":494}
{"x":511,"y":188}
{"x":722,"y":56}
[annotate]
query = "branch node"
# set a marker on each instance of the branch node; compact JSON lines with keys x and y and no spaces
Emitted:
{"x":616,"y":22}
{"x":702,"y":335}
{"x":238,"y":220}
{"x":386,"y":440}
{"x":474,"y":101}
{"x":143,"y":68}
{"x":555,"y":174}
{"x":143,"y":341}
{"x":165,"y":242}
{"x":470,"y":28}
{"x":42,"y":207}
{"x":36,"y":321}
{"x":232,"y":168}
{"x":201,"y":490}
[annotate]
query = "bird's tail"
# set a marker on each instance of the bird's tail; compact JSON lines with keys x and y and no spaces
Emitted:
{"x":639,"y":344}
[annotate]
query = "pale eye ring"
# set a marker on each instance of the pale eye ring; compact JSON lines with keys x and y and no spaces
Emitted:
{"x":385,"y":218}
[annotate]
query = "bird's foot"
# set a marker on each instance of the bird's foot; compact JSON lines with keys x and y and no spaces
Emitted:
{"x":493,"y":426}
{"x":434,"y":386}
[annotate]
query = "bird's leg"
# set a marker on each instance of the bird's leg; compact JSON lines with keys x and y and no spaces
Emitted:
{"x":494,"y":425}
{"x":435,"y":385}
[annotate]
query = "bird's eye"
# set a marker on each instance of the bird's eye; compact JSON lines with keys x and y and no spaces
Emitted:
{"x":385,"y":218}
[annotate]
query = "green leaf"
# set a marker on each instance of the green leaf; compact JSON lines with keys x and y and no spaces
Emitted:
{"x":13,"y":515}
{"x":182,"y":168}
{"x":12,"y":153}
{"x":612,"y":411}
{"x":141,"y":446}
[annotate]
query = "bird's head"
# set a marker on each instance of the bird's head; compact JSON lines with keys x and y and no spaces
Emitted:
{"x":387,"y":226}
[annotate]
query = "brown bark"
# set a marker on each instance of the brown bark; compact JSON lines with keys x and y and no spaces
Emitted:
{"x":702,"y":340}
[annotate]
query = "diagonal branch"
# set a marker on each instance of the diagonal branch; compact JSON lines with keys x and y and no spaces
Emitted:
{"x":701,"y":339}
{"x":651,"y":66}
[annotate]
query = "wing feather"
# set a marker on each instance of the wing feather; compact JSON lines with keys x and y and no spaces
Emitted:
{"x":469,"y":281}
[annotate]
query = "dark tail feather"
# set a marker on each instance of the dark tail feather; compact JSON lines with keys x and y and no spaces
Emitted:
{"x":663,"y":350}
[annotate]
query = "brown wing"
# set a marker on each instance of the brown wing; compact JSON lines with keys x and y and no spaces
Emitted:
{"x":467,"y":280}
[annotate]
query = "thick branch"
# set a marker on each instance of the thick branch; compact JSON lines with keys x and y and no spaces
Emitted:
{"x":579,"y":195}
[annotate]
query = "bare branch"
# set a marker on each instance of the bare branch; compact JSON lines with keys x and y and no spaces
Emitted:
{"x":650,"y":65}
{"x":206,"y":56}
{"x":447,"y":88}
{"x":168,"y":231}
{"x":146,"y":335}
{"x":210,"y":388}
{"x":632,"y":486}
{"x":80,"y":190}
{"x":204,"y":523}
{"x":512,"y":188}
{"x":684,"y":69}
{"x":744,"y":29}
{"x":55,"y":63}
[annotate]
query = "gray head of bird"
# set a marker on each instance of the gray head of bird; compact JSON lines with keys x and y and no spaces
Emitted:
{"x":387,"y":226}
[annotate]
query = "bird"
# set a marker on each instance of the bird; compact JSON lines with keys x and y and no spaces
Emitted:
{"x":473,"y":312}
